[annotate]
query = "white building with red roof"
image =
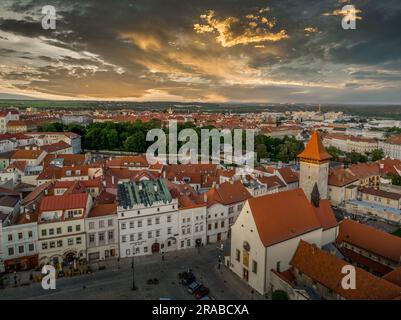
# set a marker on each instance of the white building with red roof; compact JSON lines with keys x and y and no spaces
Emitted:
{"x":61,"y":227}
{"x":5,"y":117}
{"x":268,"y":230}
{"x":20,"y":241}
{"x":192,"y":213}
{"x":102,"y":232}
{"x":224,"y":203}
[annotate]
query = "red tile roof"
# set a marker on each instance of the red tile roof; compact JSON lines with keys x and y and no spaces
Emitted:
{"x":326,"y":268}
{"x":228,"y":193}
{"x":61,"y":145}
{"x":288,"y":175}
{"x":394,"y":276}
{"x":272,"y":181}
{"x":370,"y":239}
{"x":19,"y":165}
{"x":341,"y":177}
{"x":69,"y":159}
{"x":282,"y":216}
{"x":380,"y":193}
{"x":26,"y":154}
{"x":101,"y":210}
{"x":64,"y":202}
{"x":128,"y":161}
{"x":325,"y":215}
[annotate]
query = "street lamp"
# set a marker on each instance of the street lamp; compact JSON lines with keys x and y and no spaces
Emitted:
{"x":133,"y":271}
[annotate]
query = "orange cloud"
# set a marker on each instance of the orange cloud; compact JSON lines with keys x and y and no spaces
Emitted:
{"x":251,"y":32}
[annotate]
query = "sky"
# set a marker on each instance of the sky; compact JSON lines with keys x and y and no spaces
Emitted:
{"x":275,"y":51}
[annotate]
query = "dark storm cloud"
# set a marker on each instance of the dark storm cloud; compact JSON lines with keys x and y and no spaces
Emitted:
{"x":203,"y":50}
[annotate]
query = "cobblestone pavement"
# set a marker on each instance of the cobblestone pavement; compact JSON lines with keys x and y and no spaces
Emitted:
{"x":115,"y":282}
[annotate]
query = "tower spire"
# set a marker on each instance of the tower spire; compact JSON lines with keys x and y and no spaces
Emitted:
{"x":314,"y":150}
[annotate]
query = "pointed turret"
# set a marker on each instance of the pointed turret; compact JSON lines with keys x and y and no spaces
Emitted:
{"x":314,"y":150}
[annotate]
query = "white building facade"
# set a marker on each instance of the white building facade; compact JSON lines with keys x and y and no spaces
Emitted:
{"x":148,"y":218}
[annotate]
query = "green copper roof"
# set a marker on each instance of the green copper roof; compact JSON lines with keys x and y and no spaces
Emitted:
{"x":144,"y":193}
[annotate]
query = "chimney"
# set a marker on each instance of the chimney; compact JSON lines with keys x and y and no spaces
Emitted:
{"x":27,"y":217}
{"x":164,"y":174}
{"x":381,"y":166}
{"x":112,"y":180}
{"x":205,"y":197}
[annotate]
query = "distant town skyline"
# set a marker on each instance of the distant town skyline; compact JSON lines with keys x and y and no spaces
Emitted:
{"x":229,"y":51}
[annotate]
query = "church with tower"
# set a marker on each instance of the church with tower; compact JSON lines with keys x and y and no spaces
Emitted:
{"x":314,"y":169}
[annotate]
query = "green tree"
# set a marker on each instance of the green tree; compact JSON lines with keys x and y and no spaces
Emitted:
{"x":279,"y":295}
{"x":51,"y":127}
{"x":395,"y":178}
{"x":261,"y":151}
{"x":334,"y":152}
{"x":355,"y":157}
{"x":136,"y":142}
{"x":377,"y":154}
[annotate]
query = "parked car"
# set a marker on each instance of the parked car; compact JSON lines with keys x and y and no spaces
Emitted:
{"x":193,"y":287}
{"x":187,"y":278}
{"x":201,"y":292}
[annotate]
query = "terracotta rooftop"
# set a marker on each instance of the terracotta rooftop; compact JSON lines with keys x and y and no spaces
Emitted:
{"x":227,"y":193}
{"x":272,"y":181}
{"x":288,"y":175}
{"x":26,"y":218}
{"x":370,"y":239}
{"x":19,"y":165}
{"x":60,"y":145}
{"x":283,"y":215}
{"x":394,"y":139}
{"x":325,"y":215}
{"x":394,"y":276}
{"x":127,"y":161}
{"x":68,"y":159}
{"x":380,"y":193}
{"x":341,"y":177}
{"x":26,"y":154}
{"x":315,"y":150}
{"x":103,"y":210}
{"x":64,"y":202}
{"x":325,"y":268}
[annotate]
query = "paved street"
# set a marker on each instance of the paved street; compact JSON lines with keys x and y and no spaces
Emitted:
{"x":116,"y":283}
